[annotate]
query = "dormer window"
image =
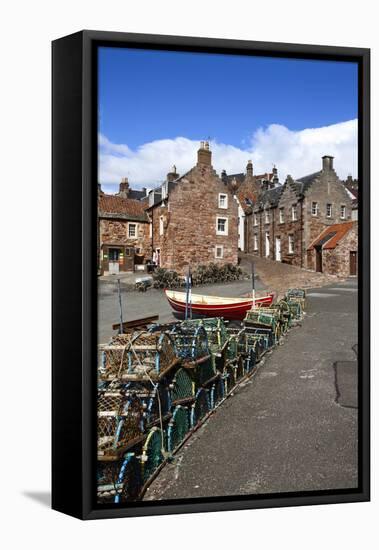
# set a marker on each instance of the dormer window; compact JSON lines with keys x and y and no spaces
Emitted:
{"x":222,"y":200}
{"x":267,"y":216}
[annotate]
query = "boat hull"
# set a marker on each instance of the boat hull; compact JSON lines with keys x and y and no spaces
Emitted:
{"x":232,"y":311}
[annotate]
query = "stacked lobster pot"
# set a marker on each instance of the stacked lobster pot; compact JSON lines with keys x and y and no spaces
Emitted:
{"x":156,"y":386}
{"x":134,"y":406}
{"x":295,"y":299}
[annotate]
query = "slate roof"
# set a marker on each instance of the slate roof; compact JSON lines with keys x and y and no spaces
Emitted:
{"x":306,"y":181}
{"x":113,"y":206}
{"x":331,"y":235}
{"x":271,"y":196}
{"x":136,"y":195}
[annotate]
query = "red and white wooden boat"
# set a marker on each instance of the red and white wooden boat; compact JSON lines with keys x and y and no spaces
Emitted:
{"x":216,"y":306}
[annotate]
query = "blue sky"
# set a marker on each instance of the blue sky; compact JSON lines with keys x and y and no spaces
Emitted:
{"x":146,"y":97}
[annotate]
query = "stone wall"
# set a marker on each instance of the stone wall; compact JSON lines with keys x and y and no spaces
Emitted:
{"x":336,"y":261}
{"x":113,"y":231}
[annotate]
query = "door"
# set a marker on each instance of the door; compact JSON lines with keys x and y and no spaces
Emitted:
{"x":114,"y":257}
{"x":129,"y":258}
{"x":278,"y":249}
{"x":353,"y":262}
{"x":319,"y":260}
{"x":267,"y":240}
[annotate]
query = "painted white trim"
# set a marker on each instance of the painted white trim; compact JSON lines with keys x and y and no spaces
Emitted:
{"x":220,"y":246}
{"x":225,"y":233}
{"x":135,"y":236}
{"x":226,"y":201}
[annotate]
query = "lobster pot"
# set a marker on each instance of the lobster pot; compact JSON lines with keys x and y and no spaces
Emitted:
{"x":217,"y":392}
{"x":178,"y":427}
{"x":216,"y":331}
{"x":200,"y":407}
{"x":204,"y":371}
{"x":182,"y":388}
{"x":139,"y":357}
{"x":108,"y":487}
{"x":296,"y":295}
{"x":152,"y":453}
{"x":229,"y":378}
{"x":295,"y":309}
{"x":158,"y":404}
{"x":129,"y":480}
{"x":265,"y":320}
{"x":239,"y":335}
{"x":118,"y":430}
{"x":256,"y":344}
{"x":191,"y":342}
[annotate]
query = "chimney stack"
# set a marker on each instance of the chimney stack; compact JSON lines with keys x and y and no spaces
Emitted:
{"x":249,"y":169}
{"x":124,"y":188}
{"x":204,"y":155}
{"x":172,"y":175}
{"x":327,"y":163}
{"x":275,"y":178}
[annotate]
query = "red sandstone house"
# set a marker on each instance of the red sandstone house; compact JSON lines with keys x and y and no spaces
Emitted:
{"x":194,"y":218}
{"x":334,"y":251}
{"x":123,"y":230}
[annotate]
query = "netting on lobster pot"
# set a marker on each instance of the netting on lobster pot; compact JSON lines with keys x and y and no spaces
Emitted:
{"x":152,"y":453}
{"x":182,"y":388}
{"x":200,"y":407}
{"x":191,"y":341}
{"x":178,"y":427}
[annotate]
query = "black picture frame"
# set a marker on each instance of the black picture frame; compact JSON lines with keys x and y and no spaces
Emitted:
{"x":74,"y":316}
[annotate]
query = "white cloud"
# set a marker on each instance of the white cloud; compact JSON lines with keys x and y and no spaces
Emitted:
{"x":293,"y":152}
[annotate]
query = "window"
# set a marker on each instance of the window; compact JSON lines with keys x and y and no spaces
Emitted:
{"x":219,"y":252}
{"x":161,"y":226}
{"x":314,"y":209}
{"x":294,"y":213}
{"x":222,"y":200}
{"x":222,"y":226}
{"x":281,"y":215}
{"x":255,"y":242}
{"x":255,"y":220}
{"x":132,"y":230}
{"x":267,"y":216}
{"x":328,"y":210}
{"x":343,"y":211}
{"x":291,"y":244}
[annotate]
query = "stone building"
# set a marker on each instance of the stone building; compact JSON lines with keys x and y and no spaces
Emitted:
{"x":194,"y":218}
{"x":123,"y":230}
{"x":335,"y":250}
{"x":285,"y":219}
{"x":246,"y":188}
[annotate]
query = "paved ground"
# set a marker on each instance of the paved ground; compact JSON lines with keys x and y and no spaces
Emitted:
{"x":152,"y":302}
{"x":287,"y":429}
